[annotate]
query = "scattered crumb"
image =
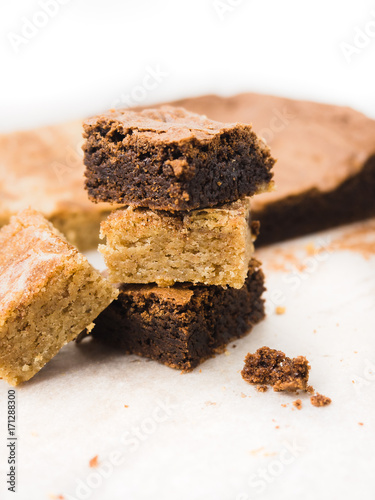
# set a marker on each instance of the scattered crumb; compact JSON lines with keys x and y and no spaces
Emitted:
{"x":284,"y":405}
{"x":280,"y":310}
{"x":311,"y":249}
{"x":57,"y":497}
{"x":355,"y":352}
{"x":314,"y":331}
{"x":310,"y":389}
{"x":234,"y":346}
{"x":320,"y":400}
{"x":270,"y":367}
{"x":255,"y":452}
{"x":226,"y":352}
{"x":243,"y":395}
{"x":94,"y":462}
{"x":126,"y":406}
{"x":210,"y":403}
{"x":200,"y":371}
{"x":298,"y":404}
{"x":360,"y":423}
{"x":262,"y":388}
{"x":277,"y":427}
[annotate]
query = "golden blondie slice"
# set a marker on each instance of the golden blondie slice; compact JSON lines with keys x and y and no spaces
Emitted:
{"x":48,"y":294}
{"x":212,"y":246}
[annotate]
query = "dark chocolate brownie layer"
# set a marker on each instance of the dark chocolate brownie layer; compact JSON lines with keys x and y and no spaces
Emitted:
{"x":182,"y":325}
{"x":170,"y":159}
{"x":325,"y":173}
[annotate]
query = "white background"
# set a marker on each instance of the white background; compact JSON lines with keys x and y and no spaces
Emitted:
{"x":90,"y":53}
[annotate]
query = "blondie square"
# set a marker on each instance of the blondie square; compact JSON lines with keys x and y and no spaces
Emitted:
{"x":171,"y":159}
{"x":48,"y":294}
{"x":211,"y":246}
{"x":183,"y":325}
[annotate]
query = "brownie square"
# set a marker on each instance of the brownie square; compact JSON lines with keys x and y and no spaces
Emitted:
{"x":48,"y":293}
{"x":183,"y":325}
{"x":170,"y":159}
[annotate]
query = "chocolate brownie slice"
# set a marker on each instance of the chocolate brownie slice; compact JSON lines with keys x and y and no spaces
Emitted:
{"x":325,"y":173}
{"x":182,"y":325}
{"x":170,"y":159}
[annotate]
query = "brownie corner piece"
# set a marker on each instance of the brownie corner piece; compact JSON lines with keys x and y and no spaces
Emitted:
{"x":183,"y":325}
{"x":171,"y":159}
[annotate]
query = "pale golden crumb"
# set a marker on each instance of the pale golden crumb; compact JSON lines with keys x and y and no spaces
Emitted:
{"x":94,"y":462}
{"x":280,"y":310}
{"x":243,"y":395}
{"x":90,"y":327}
{"x":255,"y":452}
{"x":311,"y":249}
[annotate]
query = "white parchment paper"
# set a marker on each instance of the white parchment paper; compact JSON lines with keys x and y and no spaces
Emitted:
{"x":161,"y":434}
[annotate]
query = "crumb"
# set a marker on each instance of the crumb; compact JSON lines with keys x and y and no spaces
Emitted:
{"x":280,"y":310}
{"x":255,"y":452}
{"x":126,"y":406}
{"x":320,"y":400}
{"x":94,"y":462}
{"x":243,"y":395}
{"x":284,"y":405}
{"x":234,"y":346}
{"x":311,"y":249}
{"x":310,"y":389}
{"x":314,"y":331}
{"x":277,"y":427}
{"x":262,"y":388}
{"x":210,"y":403}
{"x":226,"y":352}
{"x":360,"y":423}
{"x":298,"y":404}
{"x":355,"y":352}
{"x":270,"y":367}
{"x":200,"y":371}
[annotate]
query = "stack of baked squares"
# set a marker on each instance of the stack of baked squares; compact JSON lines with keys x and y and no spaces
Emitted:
{"x":181,"y":249}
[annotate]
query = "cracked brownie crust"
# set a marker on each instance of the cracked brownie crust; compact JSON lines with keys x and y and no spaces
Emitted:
{"x":183,"y":325}
{"x":170,"y":159}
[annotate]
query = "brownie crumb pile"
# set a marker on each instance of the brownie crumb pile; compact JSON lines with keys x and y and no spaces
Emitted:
{"x":271,"y":367}
{"x":320,"y":400}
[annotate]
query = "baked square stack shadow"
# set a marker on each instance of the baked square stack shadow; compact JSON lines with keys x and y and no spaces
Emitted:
{"x":181,"y":248}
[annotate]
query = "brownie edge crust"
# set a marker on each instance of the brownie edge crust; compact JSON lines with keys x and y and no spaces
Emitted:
{"x":170,"y":159}
{"x":183,"y":325}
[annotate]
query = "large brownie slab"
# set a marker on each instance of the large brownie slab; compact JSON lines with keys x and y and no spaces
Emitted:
{"x":170,"y":159}
{"x":325,"y":170}
{"x":182,"y":325}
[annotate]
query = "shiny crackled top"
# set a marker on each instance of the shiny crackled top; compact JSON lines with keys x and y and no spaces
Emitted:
{"x":32,"y":251}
